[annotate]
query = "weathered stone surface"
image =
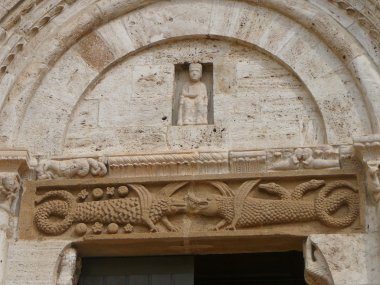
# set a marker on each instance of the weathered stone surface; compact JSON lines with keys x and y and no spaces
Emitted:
{"x":290,"y":84}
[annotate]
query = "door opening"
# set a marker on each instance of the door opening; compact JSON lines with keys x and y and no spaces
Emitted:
{"x":225,"y":269}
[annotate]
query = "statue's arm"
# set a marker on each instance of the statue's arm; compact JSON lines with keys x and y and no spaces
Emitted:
{"x":204,"y":95}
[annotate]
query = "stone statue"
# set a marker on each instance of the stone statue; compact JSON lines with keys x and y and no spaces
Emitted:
{"x":193,"y":99}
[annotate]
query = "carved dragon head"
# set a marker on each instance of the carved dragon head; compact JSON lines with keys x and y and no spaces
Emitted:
{"x":204,"y":206}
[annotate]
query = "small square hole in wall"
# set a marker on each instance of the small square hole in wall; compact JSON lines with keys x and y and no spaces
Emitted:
{"x":193,"y":99}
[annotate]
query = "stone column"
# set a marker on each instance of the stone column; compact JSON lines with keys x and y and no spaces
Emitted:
{"x":12,"y":163}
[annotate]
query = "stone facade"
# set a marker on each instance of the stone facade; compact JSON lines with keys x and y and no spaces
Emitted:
{"x":164,"y":123}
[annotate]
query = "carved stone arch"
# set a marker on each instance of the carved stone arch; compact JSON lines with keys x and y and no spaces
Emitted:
{"x":38,"y":38}
{"x":233,"y":34}
{"x":350,"y":52}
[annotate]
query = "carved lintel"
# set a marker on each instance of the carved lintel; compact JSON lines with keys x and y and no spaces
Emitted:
{"x":148,"y":206}
{"x":72,"y":168}
{"x":367,"y":150}
{"x":317,"y":271}
{"x":9,"y":190}
{"x":69,"y":267}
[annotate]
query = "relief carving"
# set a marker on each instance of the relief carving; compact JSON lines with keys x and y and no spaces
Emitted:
{"x":119,"y":209}
{"x":239,"y":211}
{"x":9,"y":189}
{"x":146,"y":209}
{"x":193,"y":104}
{"x":317,"y":271}
{"x":304,"y":158}
{"x":373,"y":180}
{"x":80,"y":167}
{"x":367,"y":150}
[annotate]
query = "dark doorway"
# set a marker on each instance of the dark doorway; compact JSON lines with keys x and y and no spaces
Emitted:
{"x":227,"y":269}
{"x":248,"y":269}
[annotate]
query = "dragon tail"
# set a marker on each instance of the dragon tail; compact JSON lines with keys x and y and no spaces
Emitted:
{"x":58,"y":208}
{"x":329,"y":202}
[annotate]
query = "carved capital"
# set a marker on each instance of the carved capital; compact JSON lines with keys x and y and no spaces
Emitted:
{"x":317,"y":271}
{"x":367,"y":150}
{"x":9,"y":190}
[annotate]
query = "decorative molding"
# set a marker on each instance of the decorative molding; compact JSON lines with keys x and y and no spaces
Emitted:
{"x":362,"y":19}
{"x":169,"y":164}
{"x":317,"y":271}
{"x":26,"y":28}
{"x":72,"y":168}
{"x":196,"y":163}
{"x":69,"y":267}
{"x":247,"y":161}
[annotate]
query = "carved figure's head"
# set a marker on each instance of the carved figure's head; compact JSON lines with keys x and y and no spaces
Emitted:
{"x":204,"y":206}
{"x":195,"y":71}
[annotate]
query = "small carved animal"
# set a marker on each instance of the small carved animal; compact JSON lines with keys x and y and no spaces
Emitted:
{"x":142,"y":210}
{"x":242,"y":211}
{"x":51,"y":169}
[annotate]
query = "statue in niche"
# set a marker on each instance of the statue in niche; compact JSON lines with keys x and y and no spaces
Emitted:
{"x":193,"y":99}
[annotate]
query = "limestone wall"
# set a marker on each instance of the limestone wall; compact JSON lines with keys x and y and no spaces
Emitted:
{"x":294,"y":88}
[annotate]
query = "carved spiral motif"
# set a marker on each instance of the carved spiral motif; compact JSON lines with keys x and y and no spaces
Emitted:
{"x":59,"y":208}
{"x":328,"y":203}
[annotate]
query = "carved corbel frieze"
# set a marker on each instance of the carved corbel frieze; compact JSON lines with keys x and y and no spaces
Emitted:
{"x":71,"y":168}
{"x":317,"y":271}
{"x":367,"y":150}
{"x":69,"y":267}
{"x":305,"y":158}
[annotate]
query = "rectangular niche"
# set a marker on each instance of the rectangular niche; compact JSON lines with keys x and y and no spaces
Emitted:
{"x":181,"y":83}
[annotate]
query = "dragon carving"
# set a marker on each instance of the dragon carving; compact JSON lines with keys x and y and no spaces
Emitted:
{"x":145,"y":209}
{"x":240,"y":211}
